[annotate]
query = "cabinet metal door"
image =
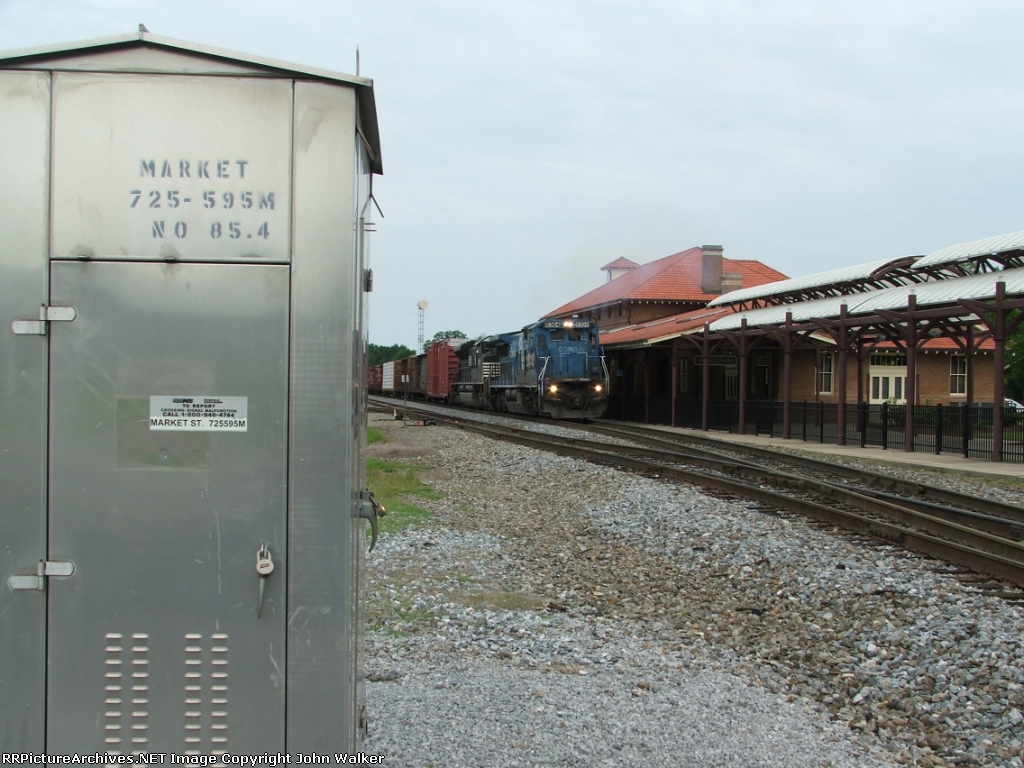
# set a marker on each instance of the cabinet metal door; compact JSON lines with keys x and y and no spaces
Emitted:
{"x":157,"y":641}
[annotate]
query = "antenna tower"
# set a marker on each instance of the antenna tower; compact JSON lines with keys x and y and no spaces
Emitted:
{"x":422,"y":306}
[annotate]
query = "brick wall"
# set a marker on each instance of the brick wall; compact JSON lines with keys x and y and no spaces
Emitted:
{"x":932,"y":378}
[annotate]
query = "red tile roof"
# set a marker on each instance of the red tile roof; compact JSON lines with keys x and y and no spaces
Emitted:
{"x":674,"y":278}
{"x":621,"y":263}
{"x":940,"y":342}
{"x":663,"y":328}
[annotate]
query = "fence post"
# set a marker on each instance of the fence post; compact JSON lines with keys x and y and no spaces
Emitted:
{"x":938,"y":429}
{"x":885,"y":425}
{"x":821,"y":421}
{"x":965,"y":428}
{"x":865,"y":414}
{"x":910,"y":424}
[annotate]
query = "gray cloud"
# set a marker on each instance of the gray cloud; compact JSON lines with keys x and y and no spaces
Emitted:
{"x":527,"y":144}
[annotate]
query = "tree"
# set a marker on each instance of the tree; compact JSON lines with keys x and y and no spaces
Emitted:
{"x":1014,"y":381}
{"x":380,"y":354}
{"x":442,"y":335}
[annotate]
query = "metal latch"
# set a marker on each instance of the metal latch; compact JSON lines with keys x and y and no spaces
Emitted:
{"x":368,"y":280}
{"x":371,"y":510}
{"x":37,"y":580}
{"x":46,"y":315}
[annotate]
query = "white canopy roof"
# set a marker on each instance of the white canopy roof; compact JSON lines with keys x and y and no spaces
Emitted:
{"x":817,"y":280}
{"x":985,"y":247}
{"x":928,"y":294}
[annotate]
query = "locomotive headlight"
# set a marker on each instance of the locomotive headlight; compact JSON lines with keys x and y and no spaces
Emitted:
{"x":567,"y":324}
{"x":553,"y":389}
{"x":597,"y":387}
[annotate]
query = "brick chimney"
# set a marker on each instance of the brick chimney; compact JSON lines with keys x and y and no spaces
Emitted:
{"x":731,"y":281}
{"x":711,"y":269}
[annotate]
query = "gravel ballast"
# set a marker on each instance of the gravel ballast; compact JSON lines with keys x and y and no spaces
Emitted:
{"x":553,"y":612}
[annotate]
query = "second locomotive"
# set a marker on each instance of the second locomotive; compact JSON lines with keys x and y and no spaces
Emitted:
{"x":552,"y":368}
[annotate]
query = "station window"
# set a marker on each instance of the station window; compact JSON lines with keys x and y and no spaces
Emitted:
{"x":957,"y":375}
{"x":894,"y":360}
{"x":826,"y":377}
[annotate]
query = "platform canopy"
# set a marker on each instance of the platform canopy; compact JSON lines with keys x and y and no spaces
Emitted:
{"x":931,"y":294}
{"x":979,"y":253}
{"x":834,"y":282}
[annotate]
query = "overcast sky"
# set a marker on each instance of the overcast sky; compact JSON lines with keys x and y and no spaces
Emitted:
{"x":526,"y":143}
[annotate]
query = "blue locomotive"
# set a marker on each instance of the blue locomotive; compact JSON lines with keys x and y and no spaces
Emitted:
{"x":553,"y":368}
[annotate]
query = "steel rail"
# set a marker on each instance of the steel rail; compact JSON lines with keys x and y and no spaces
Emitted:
{"x":982,"y":550}
{"x":877,"y":480}
{"x":1008,"y":525}
{"x":932,"y":524}
{"x":1000,"y":518}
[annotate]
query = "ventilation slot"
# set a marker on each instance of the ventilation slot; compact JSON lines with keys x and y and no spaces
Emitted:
{"x":113,"y":689}
{"x":202,"y":712}
{"x":193,"y":694}
{"x":218,"y":697}
{"x":140,"y":692}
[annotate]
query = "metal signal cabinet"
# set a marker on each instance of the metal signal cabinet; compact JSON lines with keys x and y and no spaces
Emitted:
{"x":182,"y":402}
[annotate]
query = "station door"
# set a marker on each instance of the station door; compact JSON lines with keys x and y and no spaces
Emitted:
{"x":157,"y":641}
{"x":888,"y":384}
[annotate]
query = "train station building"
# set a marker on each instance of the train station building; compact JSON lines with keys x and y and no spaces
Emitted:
{"x":851,"y":354}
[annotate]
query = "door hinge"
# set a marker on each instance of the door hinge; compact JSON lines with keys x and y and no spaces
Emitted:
{"x":37,"y":580}
{"x":364,"y":723}
{"x":368,"y":280}
{"x":46,"y":315}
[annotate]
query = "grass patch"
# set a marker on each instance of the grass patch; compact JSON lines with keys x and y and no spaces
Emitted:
{"x":388,"y":607}
{"x":374,"y":435}
{"x":401,"y":515}
{"x":503,"y":601}
{"x":390,"y":481}
{"x":1009,"y":483}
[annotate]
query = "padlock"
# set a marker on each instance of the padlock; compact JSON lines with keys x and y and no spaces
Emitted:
{"x":264,"y":564}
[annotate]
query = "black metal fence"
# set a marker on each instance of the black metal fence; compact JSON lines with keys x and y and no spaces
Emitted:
{"x":953,"y":429}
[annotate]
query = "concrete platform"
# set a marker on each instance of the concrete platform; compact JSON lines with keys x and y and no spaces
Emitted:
{"x":940,"y":463}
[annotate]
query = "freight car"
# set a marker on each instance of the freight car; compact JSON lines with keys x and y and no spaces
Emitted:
{"x":442,"y":368}
{"x":389,"y":378}
{"x":552,"y":368}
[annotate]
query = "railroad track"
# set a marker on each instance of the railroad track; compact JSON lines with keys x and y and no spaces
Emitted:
{"x":978,"y":534}
{"x":866,"y":480}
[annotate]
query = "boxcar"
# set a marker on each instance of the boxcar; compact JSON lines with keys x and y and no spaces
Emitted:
{"x":442,"y":368}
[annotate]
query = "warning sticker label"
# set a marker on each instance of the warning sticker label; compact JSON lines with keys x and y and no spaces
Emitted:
{"x":198,"y":414}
